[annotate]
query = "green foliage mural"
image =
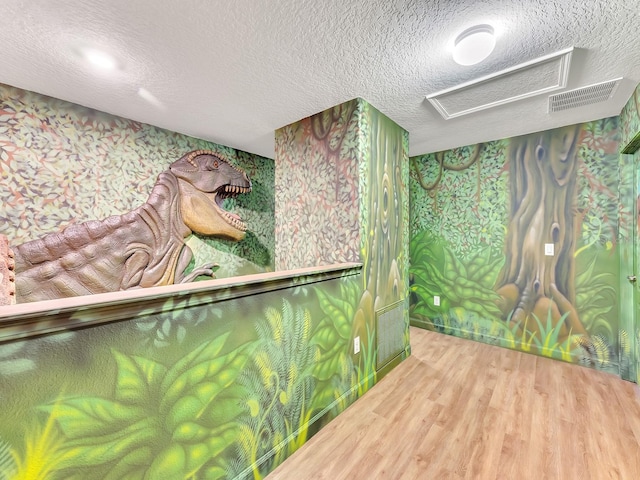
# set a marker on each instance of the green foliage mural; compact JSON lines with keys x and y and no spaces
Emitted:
{"x":463,"y":196}
{"x":349,"y":154}
{"x":630,"y":188}
{"x":280,"y":388}
{"x":218,"y":384}
{"x":246,"y":384}
{"x":339,"y":378}
{"x":437,"y":271}
{"x":630,"y":123}
{"x":480,"y":219}
{"x":384,"y":213}
{"x":317,"y":187}
{"x":161,"y":421}
{"x":334,"y":335}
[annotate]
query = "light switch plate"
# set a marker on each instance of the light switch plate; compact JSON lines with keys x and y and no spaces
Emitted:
{"x":548,"y":249}
{"x":436,"y":300}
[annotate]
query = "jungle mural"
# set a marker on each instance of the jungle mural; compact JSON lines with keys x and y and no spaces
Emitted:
{"x":384,"y":214}
{"x":202,"y":389}
{"x":366,"y":165}
{"x":542,"y":199}
{"x":64,"y":164}
{"x":221,"y":383}
{"x":481,"y":217}
{"x":316,"y":222}
{"x":630,"y":192}
{"x":630,"y":123}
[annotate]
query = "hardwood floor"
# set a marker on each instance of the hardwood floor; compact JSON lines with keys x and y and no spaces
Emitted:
{"x":457,"y":409}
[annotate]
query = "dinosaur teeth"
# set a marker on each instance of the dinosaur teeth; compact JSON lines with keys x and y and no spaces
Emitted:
{"x":235,"y":189}
{"x":235,"y":221}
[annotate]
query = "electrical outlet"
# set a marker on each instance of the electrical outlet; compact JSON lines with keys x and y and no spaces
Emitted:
{"x":436,"y":300}
{"x":548,"y":249}
{"x":356,"y":345}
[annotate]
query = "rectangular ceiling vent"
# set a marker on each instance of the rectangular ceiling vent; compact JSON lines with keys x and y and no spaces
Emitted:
{"x":579,"y":97}
{"x":538,"y":76}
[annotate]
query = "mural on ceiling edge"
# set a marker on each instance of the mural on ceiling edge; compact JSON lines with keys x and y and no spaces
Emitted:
{"x":481,"y":216}
{"x":62,"y":163}
{"x":317,"y":187}
{"x":354,"y":155}
{"x":202,"y":390}
{"x":630,"y":143}
{"x":630,"y":119}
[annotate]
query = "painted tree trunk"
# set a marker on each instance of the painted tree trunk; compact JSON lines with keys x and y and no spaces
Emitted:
{"x":543,"y":211}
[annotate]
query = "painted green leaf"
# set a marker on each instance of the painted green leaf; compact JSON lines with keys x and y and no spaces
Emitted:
{"x":339,"y":310}
{"x":221,"y":438}
{"x":94,"y":450}
{"x":185,"y":408}
{"x":227,"y":405}
{"x":325,"y":337}
{"x":189,"y":432}
{"x":237,"y":360}
{"x":201,"y":355}
{"x":196,"y":456}
{"x":328,"y":364}
{"x":198,"y":394}
{"x":138,"y":378}
{"x":133,"y":466}
{"x":88,"y":416}
{"x":169,"y":464}
{"x":204,"y":380}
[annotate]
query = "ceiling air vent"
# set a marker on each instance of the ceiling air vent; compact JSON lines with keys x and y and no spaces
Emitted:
{"x":598,"y":92}
{"x":541,"y":75}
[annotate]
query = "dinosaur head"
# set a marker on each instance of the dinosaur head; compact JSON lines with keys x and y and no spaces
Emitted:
{"x":205,"y":180}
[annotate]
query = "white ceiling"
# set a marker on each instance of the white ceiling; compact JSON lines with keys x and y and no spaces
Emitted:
{"x":234,"y":71}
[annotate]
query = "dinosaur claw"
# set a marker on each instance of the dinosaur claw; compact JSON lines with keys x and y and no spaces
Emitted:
{"x":207,"y":270}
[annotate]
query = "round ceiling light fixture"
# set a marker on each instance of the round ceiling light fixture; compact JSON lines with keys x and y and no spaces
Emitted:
{"x":474,"y":45}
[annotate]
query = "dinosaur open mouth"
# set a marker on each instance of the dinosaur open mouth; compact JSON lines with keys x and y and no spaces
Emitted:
{"x":230,"y":191}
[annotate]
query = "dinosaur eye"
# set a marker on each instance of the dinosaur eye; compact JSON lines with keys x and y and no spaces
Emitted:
{"x":215,"y":164}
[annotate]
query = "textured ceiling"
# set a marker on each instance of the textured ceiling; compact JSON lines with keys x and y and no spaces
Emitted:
{"x":234,"y":71}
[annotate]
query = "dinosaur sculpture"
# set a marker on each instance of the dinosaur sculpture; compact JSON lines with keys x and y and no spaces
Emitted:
{"x":143,"y":248}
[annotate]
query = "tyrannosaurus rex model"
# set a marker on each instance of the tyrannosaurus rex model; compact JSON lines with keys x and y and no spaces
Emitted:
{"x":142,"y":248}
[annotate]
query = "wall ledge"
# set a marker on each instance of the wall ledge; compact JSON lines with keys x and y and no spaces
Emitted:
{"x":38,"y":318}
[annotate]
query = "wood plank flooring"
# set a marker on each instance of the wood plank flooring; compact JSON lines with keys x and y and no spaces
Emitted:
{"x":457,"y":409}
